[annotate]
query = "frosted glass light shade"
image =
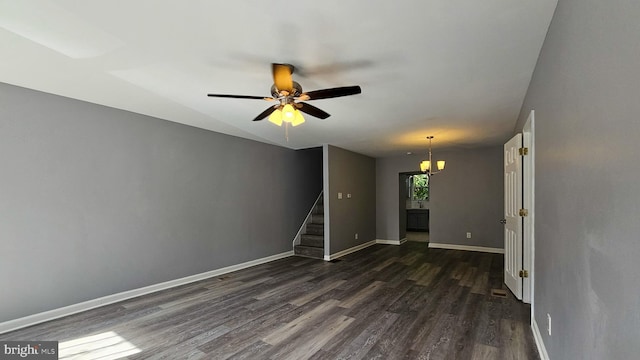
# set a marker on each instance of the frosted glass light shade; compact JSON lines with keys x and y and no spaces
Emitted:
{"x":276,"y":117}
{"x":440,"y":165}
{"x":425,"y":166}
{"x":297,"y":119}
{"x":288,"y":113}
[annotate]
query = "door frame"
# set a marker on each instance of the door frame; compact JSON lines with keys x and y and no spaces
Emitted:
{"x":513,"y":225}
{"x":402,"y":198}
{"x":528,"y":202}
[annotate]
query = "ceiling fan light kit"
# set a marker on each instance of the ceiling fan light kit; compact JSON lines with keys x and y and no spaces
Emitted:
{"x":290,"y":96}
{"x":286,"y":114}
{"x":425,"y":165}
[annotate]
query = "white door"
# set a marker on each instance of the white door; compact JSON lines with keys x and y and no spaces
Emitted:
{"x":512,"y":206}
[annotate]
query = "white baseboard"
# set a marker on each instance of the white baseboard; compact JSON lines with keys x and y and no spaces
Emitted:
{"x":391,"y":242}
{"x":362,"y":246}
{"x":537,"y":336}
{"x":349,"y":251}
{"x":466,"y":248}
{"x":110,"y":299}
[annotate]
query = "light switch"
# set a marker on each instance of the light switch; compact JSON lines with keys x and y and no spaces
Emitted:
{"x":348,"y":196}
{"x":339,"y":196}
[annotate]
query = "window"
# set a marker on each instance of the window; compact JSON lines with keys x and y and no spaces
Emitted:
{"x":419,"y":187}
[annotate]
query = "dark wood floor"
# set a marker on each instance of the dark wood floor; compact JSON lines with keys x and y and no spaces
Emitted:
{"x":383,"y":302}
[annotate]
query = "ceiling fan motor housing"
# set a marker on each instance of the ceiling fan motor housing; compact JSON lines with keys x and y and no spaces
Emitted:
{"x":297,"y":91}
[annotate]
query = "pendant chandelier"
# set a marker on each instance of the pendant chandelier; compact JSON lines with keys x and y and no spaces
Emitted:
{"x":426,"y":165}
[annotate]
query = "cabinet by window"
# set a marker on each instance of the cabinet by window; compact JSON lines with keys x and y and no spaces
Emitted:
{"x":418,"y":220}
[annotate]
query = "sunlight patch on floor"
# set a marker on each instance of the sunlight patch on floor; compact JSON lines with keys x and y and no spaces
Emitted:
{"x":104,"y":346}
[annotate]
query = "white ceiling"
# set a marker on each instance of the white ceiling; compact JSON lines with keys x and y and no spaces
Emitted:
{"x":458,"y":70}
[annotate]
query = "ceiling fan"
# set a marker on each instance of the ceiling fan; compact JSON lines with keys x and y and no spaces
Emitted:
{"x":290,"y":97}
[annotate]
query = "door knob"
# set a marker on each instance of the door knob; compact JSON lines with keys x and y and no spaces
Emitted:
{"x":503,"y":221}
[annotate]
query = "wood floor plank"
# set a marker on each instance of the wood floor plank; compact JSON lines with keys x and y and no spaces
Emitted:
{"x":392,"y":271}
{"x":252,"y":352}
{"x":246,"y":335}
{"x":188,"y":347}
{"x":308,"y":343}
{"x":410,"y":258}
{"x":208,"y":293}
{"x":299,"y":323}
{"x":481,"y":284}
{"x":485,"y":352}
{"x":430,"y":308}
{"x":320,"y":355}
{"x":383,"y":302}
{"x":283,"y":287}
{"x":404,"y":303}
{"x":421,"y":317}
{"x":362,"y":294}
{"x":429,"y":277}
{"x":301,"y":300}
{"x":388,"y":295}
{"x":421,"y":271}
{"x":366,"y":312}
{"x":513,"y":340}
{"x":437,"y":343}
{"x":163,"y":296}
{"x":469,"y":277}
{"x":463,"y":339}
{"x":358,"y":347}
{"x":396,"y":345}
{"x":385,"y":263}
{"x":487,"y":327}
{"x":485,"y":262}
{"x":459,"y":270}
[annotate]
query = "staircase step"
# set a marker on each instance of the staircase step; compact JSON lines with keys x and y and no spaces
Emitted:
{"x":312,"y":240}
{"x":315,"y":229}
{"x":319,"y":209}
{"x":309,"y":251}
{"x":317,"y":218}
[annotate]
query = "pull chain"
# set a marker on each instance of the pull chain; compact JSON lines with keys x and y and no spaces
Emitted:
{"x":286,"y":131}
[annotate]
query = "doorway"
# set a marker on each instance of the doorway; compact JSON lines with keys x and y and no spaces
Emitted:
{"x":414,"y":206}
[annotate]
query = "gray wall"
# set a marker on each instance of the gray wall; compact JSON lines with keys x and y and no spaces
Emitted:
{"x":353,"y":173}
{"x":585,"y":93}
{"x":96,"y":201}
{"x":466,"y":196}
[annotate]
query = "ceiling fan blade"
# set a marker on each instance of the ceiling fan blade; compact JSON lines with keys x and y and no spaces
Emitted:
{"x":332,"y":68}
{"x":282,"y":77}
{"x":312,"y":110}
{"x":331,"y":93}
{"x":241,"y":97}
{"x":265,"y":113}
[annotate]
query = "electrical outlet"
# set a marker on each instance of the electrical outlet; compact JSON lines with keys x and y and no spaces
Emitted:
{"x":549,"y":323}
{"x":348,"y":195}
{"x":468,"y":235}
{"x":356,"y":236}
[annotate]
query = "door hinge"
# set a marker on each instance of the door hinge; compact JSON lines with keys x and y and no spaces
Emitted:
{"x":523,"y":151}
{"x":523,"y":274}
{"x":523,"y":212}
